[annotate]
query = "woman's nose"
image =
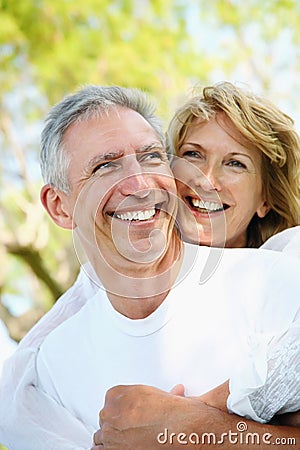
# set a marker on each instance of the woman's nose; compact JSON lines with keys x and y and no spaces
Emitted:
{"x":208,"y":178}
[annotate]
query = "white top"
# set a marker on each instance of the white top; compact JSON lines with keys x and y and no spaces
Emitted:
{"x":7,"y":345}
{"x":281,"y":383}
{"x":29,"y":417}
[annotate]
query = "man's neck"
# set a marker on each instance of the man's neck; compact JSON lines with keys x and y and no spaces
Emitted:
{"x":136,"y":291}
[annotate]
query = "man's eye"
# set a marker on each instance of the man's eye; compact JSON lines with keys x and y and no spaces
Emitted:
{"x":102,"y":166}
{"x":154,"y":155}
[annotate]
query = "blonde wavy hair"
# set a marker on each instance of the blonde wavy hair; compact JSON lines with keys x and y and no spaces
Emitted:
{"x":268,"y":129}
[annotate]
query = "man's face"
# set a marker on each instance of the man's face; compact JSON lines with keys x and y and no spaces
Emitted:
{"x":123,"y":195}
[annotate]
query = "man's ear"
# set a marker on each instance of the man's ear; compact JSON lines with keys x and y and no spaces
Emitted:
{"x":56,"y":205}
{"x":263,"y":209}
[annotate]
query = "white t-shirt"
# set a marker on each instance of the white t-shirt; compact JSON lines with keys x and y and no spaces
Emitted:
{"x":244,"y":306}
{"x":29,"y":416}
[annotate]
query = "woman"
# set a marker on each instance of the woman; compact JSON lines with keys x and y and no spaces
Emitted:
{"x":238,"y":178}
{"x":238,"y":169}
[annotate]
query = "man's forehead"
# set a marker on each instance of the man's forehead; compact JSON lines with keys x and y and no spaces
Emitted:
{"x":121,"y":126}
{"x":100,"y":139}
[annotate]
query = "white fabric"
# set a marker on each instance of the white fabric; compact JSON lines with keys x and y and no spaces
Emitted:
{"x":259,"y":391}
{"x":179,"y":342}
{"x":7,"y":345}
{"x":28,"y":418}
{"x":287,"y":241}
{"x":281,"y":384}
{"x":22,"y":425}
{"x":116,"y":350}
{"x":283,"y":365}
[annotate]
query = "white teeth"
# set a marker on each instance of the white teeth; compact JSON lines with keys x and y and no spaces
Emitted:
{"x":136,"y":215}
{"x":209,"y":206}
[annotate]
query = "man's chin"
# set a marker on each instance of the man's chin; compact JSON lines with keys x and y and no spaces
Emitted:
{"x":143,"y":251}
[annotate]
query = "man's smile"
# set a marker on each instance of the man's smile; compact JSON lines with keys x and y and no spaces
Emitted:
{"x":137,"y":215}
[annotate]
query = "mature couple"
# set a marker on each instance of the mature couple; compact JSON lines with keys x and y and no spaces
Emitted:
{"x":160,"y":334}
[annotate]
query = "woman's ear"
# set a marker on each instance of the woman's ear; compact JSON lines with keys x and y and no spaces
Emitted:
{"x":263,"y":209}
{"x":56,"y":204}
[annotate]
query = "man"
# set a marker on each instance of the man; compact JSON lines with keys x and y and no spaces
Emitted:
{"x":108,"y":179}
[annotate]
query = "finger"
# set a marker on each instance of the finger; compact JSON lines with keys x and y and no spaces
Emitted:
{"x":178,"y":390}
{"x":101,"y":418}
{"x":98,"y":438}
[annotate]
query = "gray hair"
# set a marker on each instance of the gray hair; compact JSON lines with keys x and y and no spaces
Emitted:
{"x":89,"y":102}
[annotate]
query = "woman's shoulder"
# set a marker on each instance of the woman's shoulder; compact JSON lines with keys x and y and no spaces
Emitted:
{"x":286,"y":241}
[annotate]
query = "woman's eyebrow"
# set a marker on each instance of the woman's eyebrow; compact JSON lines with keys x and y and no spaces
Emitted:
{"x":192,"y":144}
{"x":196,"y":144}
{"x":241,"y":154}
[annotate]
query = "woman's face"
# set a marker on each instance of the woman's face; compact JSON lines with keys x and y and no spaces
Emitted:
{"x":219,"y":183}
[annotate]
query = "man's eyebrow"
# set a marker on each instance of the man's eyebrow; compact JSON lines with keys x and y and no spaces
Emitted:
{"x":102,"y":158}
{"x":109,"y":156}
{"x":151,"y":146}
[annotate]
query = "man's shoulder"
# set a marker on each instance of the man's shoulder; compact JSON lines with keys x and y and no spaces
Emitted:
{"x":212,"y":261}
{"x":65,"y":307}
{"x":260,"y":286}
{"x":199,"y":256}
{"x":244,"y":272}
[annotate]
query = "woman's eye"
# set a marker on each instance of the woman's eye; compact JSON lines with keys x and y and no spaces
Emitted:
{"x":237,"y":164}
{"x":192,"y":154}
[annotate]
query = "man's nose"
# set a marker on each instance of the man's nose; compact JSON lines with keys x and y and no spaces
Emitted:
{"x":135,"y":181}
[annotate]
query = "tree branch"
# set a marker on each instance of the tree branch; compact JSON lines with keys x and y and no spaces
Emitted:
{"x":33,"y":258}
